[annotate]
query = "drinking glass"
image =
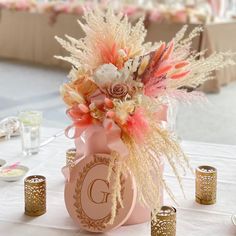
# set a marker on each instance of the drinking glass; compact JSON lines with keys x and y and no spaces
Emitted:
{"x":30,"y":131}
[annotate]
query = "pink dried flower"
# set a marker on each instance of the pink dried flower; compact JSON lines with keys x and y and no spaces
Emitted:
{"x":181,"y":64}
{"x":180,"y":75}
{"x":83,"y":108}
{"x":137,"y":125}
{"x":111,"y":114}
{"x":109,"y":103}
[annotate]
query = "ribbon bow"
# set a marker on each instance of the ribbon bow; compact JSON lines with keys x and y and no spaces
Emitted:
{"x":95,"y":138}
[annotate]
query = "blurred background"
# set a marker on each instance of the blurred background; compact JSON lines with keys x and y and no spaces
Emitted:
{"x":30,"y":76}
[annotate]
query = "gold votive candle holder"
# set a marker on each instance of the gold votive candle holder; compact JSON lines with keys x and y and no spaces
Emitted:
{"x":70,"y":156}
{"x":206,"y":185}
{"x":35,"y":195}
{"x":164,"y":222}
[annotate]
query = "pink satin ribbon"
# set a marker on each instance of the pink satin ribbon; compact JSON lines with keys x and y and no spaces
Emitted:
{"x":114,"y":142}
{"x":102,"y":138}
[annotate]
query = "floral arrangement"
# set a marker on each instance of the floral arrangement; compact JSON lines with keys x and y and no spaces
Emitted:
{"x":121,"y":84}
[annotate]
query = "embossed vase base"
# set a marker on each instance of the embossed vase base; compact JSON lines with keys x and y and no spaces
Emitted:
{"x":88,"y":195}
{"x":139,"y":215}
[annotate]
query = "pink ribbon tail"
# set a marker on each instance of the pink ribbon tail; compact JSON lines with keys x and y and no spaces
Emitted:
{"x":114,"y":141}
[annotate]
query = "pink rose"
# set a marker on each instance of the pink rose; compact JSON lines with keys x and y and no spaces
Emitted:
{"x":118,"y":90}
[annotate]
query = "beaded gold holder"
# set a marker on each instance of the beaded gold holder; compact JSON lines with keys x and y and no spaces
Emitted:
{"x":70,"y":156}
{"x":164,"y":222}
{"x":35,"y":195}
{"x":206,"y":185}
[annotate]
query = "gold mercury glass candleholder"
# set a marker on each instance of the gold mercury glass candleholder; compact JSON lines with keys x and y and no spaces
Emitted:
{"x":70,"y":157}
{"x":35,"y":195}
{"x":206,"y":185}
{"x":164,"y":222}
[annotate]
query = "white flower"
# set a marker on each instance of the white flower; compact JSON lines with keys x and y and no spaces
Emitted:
{"x":122,"y":53}
{"x":106,"y":74}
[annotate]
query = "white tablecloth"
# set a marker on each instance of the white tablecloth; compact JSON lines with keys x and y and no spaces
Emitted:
{"x":192,"y":219}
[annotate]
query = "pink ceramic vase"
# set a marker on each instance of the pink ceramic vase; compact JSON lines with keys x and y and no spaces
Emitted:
{"x":96,"y":142}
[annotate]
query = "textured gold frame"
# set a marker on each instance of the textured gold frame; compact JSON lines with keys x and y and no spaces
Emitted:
{"x":206,"y":185}
{"x":70,"y":157}
{"x":35,"y":195}
{"x":164,"y":222}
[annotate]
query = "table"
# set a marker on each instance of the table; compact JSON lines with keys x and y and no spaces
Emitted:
{"x":192,"y":219}
{"x":29,"y":37}
{"x":218,"y":37}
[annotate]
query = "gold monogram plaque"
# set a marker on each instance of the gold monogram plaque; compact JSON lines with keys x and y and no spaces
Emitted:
{"x":88,"y":195}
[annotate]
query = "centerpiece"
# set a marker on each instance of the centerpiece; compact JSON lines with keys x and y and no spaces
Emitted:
{"x":117,"y":99}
